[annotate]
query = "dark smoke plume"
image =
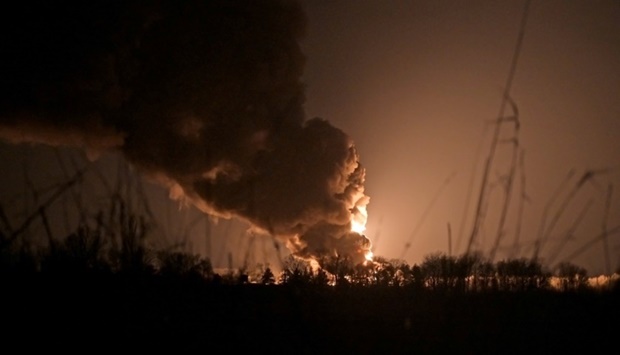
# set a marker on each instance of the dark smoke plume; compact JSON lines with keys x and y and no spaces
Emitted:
{"x":206,"y":96}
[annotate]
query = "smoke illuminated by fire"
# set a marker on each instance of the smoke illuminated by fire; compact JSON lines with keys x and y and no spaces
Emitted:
{"x":205,"y":97}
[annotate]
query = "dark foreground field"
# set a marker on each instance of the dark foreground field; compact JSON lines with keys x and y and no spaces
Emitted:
{"x":121,"y":313}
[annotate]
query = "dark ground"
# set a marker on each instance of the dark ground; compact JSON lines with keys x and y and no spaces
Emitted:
{"x":93,"y":314}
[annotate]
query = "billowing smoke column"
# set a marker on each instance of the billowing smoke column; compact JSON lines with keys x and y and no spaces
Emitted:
{"x":206,"y":96}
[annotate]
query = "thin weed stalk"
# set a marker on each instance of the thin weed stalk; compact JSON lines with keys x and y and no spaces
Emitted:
{"x":509,"y":180}
{"x":470,"y":188}
{"x":587,"y":176}
{"x":570,"y":232}
{"x":482,"y":197}
{"x":32,"y":217}
{"x":550,"y":202}
{"x":592,"y":242}
{"x":425,"y":214}
{"x":77,"y":198}
{"x":605,"y":241}
{"x":523,"y":199}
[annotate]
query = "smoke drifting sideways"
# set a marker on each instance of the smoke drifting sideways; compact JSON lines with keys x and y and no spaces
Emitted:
{"x":204,"y":96}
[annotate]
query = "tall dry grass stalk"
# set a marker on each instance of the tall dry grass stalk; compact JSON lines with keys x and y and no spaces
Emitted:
{"x":422,"y":219}
{"x":514,"y":141}
{"x":523,"y":198}
{"x":484,"y":186}
{"x":570,"y":233}
{"x":605,"y":241}
{"x":39,"y":212}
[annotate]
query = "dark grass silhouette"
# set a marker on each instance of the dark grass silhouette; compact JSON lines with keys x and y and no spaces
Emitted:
{"x":88,"y":293}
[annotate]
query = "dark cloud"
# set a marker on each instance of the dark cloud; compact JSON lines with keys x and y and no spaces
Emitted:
{"x":206,"y":96}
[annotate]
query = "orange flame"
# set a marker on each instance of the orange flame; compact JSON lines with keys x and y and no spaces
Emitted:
{"x":359,"y":217}
{"x":358,"y":220}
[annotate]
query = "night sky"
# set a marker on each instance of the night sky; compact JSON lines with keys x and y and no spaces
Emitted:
{"x":418,"y":85}
{"x":415,"y":85}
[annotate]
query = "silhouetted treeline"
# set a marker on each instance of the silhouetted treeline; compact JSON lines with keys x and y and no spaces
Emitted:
{"x":103,"y":290}
{"x":125,"y":252}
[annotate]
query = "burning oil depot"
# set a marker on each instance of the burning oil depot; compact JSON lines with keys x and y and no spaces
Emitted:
{"x":232,"y":133}
{"x":221,"y":118}
{"x":204,"y":98}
